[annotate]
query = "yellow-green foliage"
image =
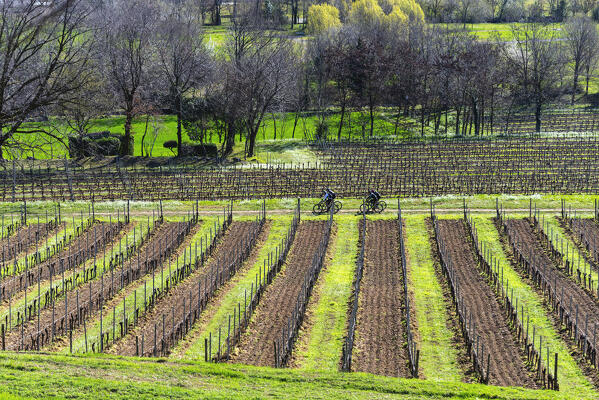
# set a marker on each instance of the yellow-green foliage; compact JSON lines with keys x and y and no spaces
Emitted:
{"x":366,"y":13}
{"x":392,"y":13}
{"x":322,"y":17}
{"x":410,"y":9}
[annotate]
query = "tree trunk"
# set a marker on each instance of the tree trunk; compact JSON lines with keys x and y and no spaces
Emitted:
{"x":575,"y":83}
{"x":587,"y":78}
{"x":230,"y":138}
{"x":475,"y":117}
{"x":143,"y":138}
{"x":457,"y":121}
{"x":128,"y":120}
{"x":251,"y":143}
{"x":397,"y":120}
{"x":179,"y":133}
{"x":371,"y":106}
{"x":538,"y":116}
{"x":294,"y":125}
{"x":341,"y":119}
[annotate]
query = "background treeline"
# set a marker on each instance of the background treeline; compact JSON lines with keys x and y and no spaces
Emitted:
{"x":67,"y":63}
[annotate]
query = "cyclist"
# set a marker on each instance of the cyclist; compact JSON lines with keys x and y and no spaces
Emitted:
{"x":373,"y":197}
{"x":329,"y":196}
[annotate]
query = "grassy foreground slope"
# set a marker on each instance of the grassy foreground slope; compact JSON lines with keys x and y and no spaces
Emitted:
{"x":44,"y":376}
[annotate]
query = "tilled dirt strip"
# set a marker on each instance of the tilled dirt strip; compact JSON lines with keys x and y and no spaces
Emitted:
{"x":79,"y":251}
{"x":181,"y":296}
{"x":507,"y":366}
{"x":279,"y":299}
{"x":379,"y":347}
{"x":150,"y":256}
{"x":573,"y":294}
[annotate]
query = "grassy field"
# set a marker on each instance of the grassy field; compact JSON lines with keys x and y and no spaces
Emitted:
{"x":495,"y":31}
{"x":279,"y":133}
{"x":45,"y":376}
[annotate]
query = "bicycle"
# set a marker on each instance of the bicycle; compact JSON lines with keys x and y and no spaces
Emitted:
{"x":322,"y":207}
{"x":371,"y":206}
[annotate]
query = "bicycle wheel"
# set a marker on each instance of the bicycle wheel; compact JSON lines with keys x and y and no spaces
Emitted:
{"x":380,"y":206}
{"x":364,"y":208}
{"x":319,"y":208}
{"x":338,"y":206}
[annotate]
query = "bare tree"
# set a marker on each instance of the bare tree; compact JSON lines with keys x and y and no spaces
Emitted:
{"x":182,"y":58}
{"x":318,"y":77}
{"x":260,"y":75}
{"x":370,"y":62}
{"x":535,"y":62}
{"x":44,"y":60}
{"x":582,"y":43}
{"x":126,"y":46}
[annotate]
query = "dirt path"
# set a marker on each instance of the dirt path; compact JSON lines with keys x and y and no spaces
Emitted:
{"x":163,"y":318}
{"x":379,"y":346}
{"x":279,"y":299}
{"x":388,"y":211}
{"x":507,"y":366}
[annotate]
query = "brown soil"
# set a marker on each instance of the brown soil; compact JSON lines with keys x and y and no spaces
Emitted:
{"x":379,"y":347}
{"x":171,"y":305}
{"x":507,"y":367}
{"x":163,"y":237}
{"x":458,"y":340}
{"x":572,"y":292}
{"x":279,"y":299}
{"x":585,"y":234}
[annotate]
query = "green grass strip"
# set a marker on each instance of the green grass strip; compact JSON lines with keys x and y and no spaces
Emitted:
{"x":322,"y":348}
{"x":438,"y":356}
{"x":94,"y":377}
{"x":278,"y":230}
{"x":570,"y":377}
